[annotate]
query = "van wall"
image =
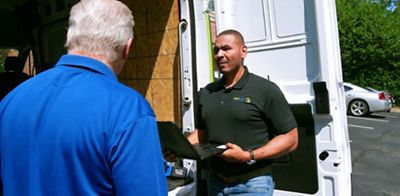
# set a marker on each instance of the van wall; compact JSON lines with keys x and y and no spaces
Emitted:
{"x":153,"y":66}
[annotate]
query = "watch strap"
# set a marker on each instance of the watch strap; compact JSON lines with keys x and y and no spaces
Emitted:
{"x":252,"y":159}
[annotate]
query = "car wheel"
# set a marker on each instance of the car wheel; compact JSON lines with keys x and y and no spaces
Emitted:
{"x":359,"y":108}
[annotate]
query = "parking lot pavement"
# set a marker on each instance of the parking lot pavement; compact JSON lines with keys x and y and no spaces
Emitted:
{"x":375,"y":154}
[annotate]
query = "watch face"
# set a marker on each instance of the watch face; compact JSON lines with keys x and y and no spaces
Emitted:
{"x":251,"y":162}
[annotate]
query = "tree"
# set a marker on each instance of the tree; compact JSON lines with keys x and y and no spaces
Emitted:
{"x":2,"y":58}
{"x":370,"y":43}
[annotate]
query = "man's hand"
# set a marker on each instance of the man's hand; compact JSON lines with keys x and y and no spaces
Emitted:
{"x":235,"y":153}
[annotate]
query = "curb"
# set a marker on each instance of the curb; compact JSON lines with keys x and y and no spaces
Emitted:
{"x":395,"y":109}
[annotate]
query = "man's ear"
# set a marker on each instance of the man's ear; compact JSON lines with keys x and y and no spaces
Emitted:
{"x":127,"y":48}
{"x":244,"y":51}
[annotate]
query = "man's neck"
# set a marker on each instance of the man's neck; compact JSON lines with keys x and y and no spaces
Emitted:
{"x":93,"y":56}
{"x":230,"y":79}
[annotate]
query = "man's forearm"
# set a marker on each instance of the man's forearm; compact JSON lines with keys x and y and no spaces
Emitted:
{"x":278,"y":146}
{"x":197,"y":136}
{"x":194,"y":137}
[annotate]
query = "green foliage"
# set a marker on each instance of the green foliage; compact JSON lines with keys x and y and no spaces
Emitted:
{"x":370,"y":43}
{"x":2,"y":58}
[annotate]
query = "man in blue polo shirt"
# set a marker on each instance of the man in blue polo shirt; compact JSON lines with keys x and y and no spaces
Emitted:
{"x":74,"y":129}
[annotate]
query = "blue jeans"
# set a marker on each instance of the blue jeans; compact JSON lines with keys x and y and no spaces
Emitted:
{"x":260,"y":185}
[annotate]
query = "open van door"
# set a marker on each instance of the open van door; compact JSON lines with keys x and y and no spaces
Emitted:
{"x":293,"y":43}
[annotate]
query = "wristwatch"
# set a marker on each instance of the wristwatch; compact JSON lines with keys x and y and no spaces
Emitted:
{"x":252,"y":160}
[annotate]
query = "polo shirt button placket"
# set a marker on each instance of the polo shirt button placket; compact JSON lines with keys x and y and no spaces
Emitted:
{"x":224,"y":95}
{"x":222,"y":99}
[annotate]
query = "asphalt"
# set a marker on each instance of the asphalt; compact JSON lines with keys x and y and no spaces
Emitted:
{"x":375,"y":154}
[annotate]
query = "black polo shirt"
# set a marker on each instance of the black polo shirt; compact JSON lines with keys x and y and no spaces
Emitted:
{"x":247,"y":114}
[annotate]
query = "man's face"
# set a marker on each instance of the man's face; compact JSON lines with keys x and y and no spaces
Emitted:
{"x":229,"y":53}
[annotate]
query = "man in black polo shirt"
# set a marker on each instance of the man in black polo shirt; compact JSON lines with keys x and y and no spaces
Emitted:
{"x":248,"y":114}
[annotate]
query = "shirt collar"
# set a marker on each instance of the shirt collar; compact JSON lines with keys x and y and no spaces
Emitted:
{"x":86,"y":62}
{"x":242,"y":81}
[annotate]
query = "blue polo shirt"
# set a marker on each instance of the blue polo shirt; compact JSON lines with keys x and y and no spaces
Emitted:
{"x":75,"y":130}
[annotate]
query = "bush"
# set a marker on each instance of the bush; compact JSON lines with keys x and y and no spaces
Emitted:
{"x":370,"y":42}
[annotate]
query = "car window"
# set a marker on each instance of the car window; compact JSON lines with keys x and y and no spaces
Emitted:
{"x":347,"y":88}
{"x":371,"y":89}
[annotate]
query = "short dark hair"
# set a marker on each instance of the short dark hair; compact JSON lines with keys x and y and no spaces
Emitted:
{"x":233,"y":32}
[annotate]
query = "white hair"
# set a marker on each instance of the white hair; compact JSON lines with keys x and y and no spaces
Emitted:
{"x":100,"y":27}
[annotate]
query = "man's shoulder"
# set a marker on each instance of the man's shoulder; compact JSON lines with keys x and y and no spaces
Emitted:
{"x":128,"y":93}
{"x":261,"y":81}
{"x":213,"y":86}
{"x":127,"y":103}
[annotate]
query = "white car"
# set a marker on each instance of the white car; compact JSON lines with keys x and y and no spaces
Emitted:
{"x":362,"y":101}
{"x":387,"y":94}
